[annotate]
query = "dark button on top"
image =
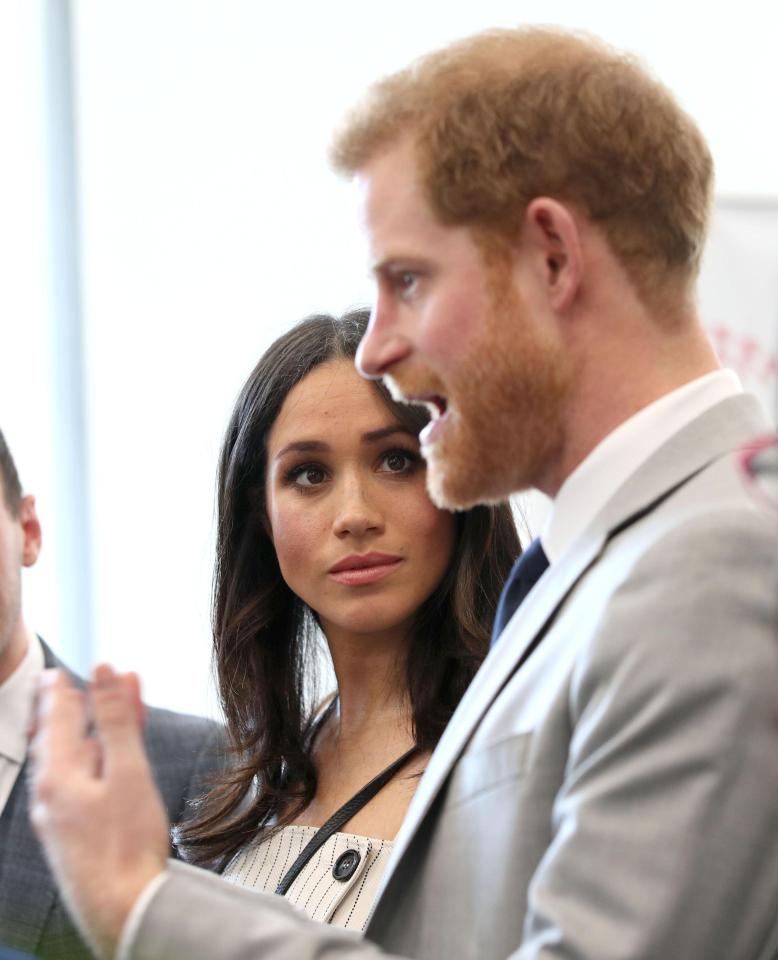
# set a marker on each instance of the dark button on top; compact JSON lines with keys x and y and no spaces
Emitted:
{"x":346,"y":864}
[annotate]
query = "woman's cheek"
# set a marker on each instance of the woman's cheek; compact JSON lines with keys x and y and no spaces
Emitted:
{"x":422,"y":515}
{"x":428,"y":531}
{"x":293,"y":537}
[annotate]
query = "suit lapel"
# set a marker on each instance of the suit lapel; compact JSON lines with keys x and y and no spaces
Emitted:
{"x":27,"y":889}
{"x":24,"y":912}
{"x":536,"y":613}
{"x":726,"y":427}
{"x":723,"y":428}
{"x":51,"y":660}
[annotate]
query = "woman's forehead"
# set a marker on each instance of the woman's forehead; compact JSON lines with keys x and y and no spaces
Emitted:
{"x":332,"y":400}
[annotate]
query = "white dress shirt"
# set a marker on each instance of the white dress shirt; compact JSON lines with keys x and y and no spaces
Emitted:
{"x":16,"y":695}
{"x":617,"y":456}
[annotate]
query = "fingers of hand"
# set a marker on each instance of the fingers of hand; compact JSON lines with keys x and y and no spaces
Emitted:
{"x":132,"y":681}
{"x":94,"y":805}
{"x":60,"y":753}
{"x":118,"y":714}
{"x":130,"y":791}
{"x":59,"y":723}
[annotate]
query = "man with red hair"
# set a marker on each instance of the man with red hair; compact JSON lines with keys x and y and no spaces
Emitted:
{"x":535,"y":207}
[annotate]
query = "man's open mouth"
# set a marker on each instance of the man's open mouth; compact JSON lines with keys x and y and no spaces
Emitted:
{"x":434,"y":402}
{"x":438,"y":408}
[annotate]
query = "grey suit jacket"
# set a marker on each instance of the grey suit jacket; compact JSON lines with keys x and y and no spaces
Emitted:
{"x":183,"y":751}
{"x":615,"y":798}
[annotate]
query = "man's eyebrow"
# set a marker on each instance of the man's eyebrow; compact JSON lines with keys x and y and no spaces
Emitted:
{"x":382,"y":266}
{"x":397,"y":263}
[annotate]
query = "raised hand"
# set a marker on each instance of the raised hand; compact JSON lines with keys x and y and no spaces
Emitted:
{"x":94,"y":805}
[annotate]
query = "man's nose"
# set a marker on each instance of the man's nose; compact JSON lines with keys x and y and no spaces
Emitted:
{"x":382,"y":345}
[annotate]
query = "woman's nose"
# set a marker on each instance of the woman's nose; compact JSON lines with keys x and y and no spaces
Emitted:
{"x":357,"y":512}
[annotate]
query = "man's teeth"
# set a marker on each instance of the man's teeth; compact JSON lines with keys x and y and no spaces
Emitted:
{"x":437,"y":406}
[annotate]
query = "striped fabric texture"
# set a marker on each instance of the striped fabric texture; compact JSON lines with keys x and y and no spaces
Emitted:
{"x":317,"y":890}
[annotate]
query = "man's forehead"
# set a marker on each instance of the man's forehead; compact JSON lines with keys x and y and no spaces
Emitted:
{"x":389,"y":178}
{"x":394,"y":211}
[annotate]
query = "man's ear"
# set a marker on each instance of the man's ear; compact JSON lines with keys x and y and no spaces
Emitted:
{"x":31,"y":529}
{"x":550,"y":229}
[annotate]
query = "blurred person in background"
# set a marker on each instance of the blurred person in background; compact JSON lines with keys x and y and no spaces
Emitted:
{"x":183,"y":750}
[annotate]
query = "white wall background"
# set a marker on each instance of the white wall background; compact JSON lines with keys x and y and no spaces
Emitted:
{"x":209,"y":221}
{"x":29,"y":361}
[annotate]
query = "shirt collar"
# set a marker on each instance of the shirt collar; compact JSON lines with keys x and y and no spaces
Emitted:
{"x":621,"y":452}
{"x":16,"y":695}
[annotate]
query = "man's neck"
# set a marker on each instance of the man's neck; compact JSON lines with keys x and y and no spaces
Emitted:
{"x":595,"y":481}
{"x":15,"y":651}
{"x":634,"y":377}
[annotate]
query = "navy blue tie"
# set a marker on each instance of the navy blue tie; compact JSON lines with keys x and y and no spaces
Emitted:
{"x":526,"y":572}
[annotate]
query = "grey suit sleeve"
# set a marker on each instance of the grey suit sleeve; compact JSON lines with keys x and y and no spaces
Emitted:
{"x":184,"y":752}
{"x":210,"y":758}
{"x":668,"y":811}
{"x":198,"y":915}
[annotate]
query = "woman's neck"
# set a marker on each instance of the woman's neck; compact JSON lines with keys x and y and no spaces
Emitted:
{"x":372,"y":691}
{"x":370,"y":727}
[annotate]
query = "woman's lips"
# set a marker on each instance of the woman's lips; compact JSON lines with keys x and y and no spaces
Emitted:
{"x":354,"y":571}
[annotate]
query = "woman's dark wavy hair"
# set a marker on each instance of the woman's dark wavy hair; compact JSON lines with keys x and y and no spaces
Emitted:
{"x":264,"y":635}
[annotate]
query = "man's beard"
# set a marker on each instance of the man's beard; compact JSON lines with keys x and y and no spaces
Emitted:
{"x":505,"y":404}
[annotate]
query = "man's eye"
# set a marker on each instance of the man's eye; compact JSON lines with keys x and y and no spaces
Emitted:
{"x":407,"y":281}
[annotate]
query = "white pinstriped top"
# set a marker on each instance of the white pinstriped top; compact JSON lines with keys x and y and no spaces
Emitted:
{"x":345,"y":903}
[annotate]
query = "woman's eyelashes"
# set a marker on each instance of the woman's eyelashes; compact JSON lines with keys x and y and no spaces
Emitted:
{"x":399,"y":461}
{"x":308,"y":476}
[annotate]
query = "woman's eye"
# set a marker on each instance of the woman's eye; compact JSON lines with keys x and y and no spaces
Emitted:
{"x":397,"y":461}
{"x":309,"y":476}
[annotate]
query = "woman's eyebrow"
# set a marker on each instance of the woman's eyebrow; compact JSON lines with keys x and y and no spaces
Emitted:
{"x":372,"y":436}
{"x":319,"y":446}
{"x":303,"y":446}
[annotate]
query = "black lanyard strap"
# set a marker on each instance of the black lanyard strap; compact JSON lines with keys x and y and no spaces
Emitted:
{"x":341,"y":817}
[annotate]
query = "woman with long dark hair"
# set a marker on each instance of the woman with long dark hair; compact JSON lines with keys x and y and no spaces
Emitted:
{"x":325,"y":528}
